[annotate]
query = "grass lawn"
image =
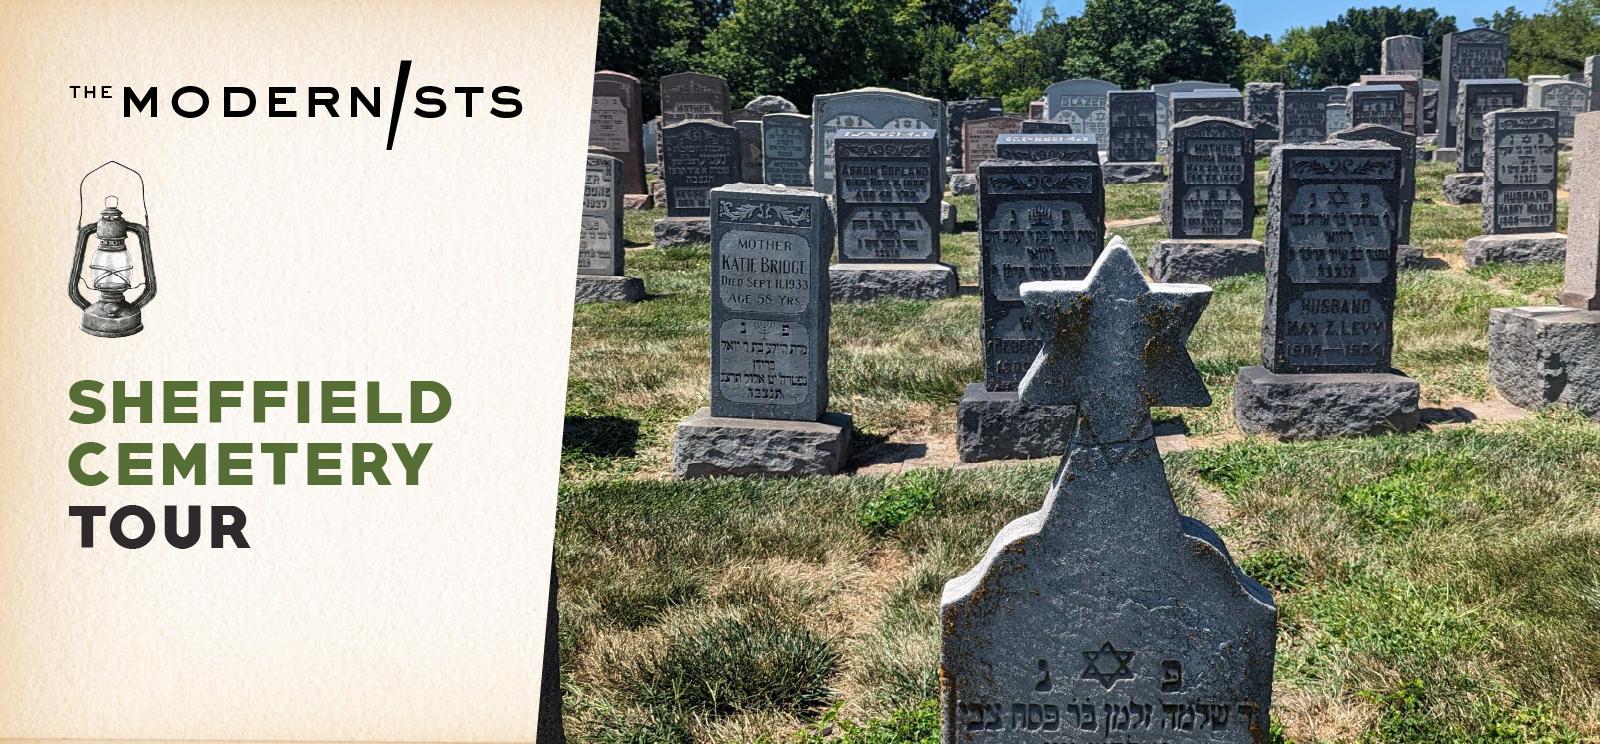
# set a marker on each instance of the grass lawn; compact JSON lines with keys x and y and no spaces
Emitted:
{"x":1437,"y":586}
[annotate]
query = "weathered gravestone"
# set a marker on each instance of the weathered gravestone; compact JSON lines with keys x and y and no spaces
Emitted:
{"x":1033,"y":126}
{"x":979,"y":137}
{"x":1080,"y":103}
{"x":1566,"y":98}
{"x":1070,"y":148}
{"x":1474,"y":99}
{"x":1543,"y":356}
{"x":956,"y":113}
{"x":1304,"y":114}
{"x":869,"y":108}
{"x":1474,"y":54}
{"x":1208,"y":205}
{"x":750,"y":150}
{"x":648,"y":135}
{"x":1406,"y":255}
{"x":1228,"y":104}
{"x":1108,"y":616}
{"x":1037,"y":221}
{"x":744,"y":114}
{"x":1411,"y":111}
{"x":1036,"y":109}
{"x":772,"y":105}
{"x":1519,"y":189}
{"x":1430,"y":107}
{"x":600,"y":248}
{"x":1328,"y":334}
{"x":615,"y":121}
{"x":1337,"y":93}
{"x":1131,"y":155}
{"x":1402,"y":55}
{"x":1164,"y":93}
{"x":1338,"y":116}
{"x":769,"y":341}
{"x":691,"y":96}
{"x":697,"y":156}
{"x":1261,"y":101}
{"x":786,"y":149}
{"x":1384,"y":105}
{"x":886,"y":196}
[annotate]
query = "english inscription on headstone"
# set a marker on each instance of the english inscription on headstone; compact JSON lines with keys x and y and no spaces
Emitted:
{"x":1384,"y":105}
{"x":1037,"y":222}
{"x":1402,"y":55}
{"x":770,"y":304}
{"x":1519,"y":167}
{"x":1228,"y":104}
{"x":691,"y":96}
{"x":957,"y":113}
{"x":750,"y":144}
{"x":979,"y":136}
{"x":1304,"y":115}
{"x":600,"y":249}
{"x":786,"y":149}
{"x":887,"y":195}
{"x":1132,"y":126}
{"x":1331,"y":243}
{"x":868,"y":108}
{"x":1473,"y":100}
{"x":1071,"y":148}
{"x":1407,"y":144}
{"x":1081,"y":103}
{"x":1474,"y":54}
{"x":699,"y":156}
{"x":1261,"y":101}
{"x":1569,"y":99}
{"x":1211,"y":192}
{"x":615,"y":121}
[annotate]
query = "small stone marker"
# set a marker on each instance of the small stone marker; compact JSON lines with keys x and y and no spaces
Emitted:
{"x":1474,"y":54}
{"x":1228,"y":104}
{"x":1037,"y":221}
{"x":1070,"y":148}
{"x":692,"y":96}
{"x":1208,"y":205}
{"x":1384,"y":105}
{"x":869,"y":108}
{"x":1519,"y":190}
{"x":700,"y":156}
{"x":1406,"y":254}
{"x":769,"y":341}
{"x":1033,"y":126}
{"x":1338,"y":116}
{"x":1036,"y":109}
{"x":1565,"y":97}
{"x":1261,"y":102}
{"x":1412,"y":108}
{"x":1328,"y":331}
{"x":978,"y":137}
{"x":1402,"y":55}
{"x":615,"y":124}
{"x":1131,"y":155}
{"x":1430,"y":108}
{"x":1107,"y":615}
{"x":887,"y":197}
{"x":1304,"y":114}
{"x":600,"y":248}
{"x":786,"y":149}
{"x":1543,"y":356}
{"x":956,"y":113}
{"x":1080,"y":103}
{"x":750,"y":150}
{"x":650,"y":132}
{"x":1474,"y":99}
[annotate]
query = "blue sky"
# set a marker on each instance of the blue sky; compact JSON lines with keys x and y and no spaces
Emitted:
{"x":1276,"y":16}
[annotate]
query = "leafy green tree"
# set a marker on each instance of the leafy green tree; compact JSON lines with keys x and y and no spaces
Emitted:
{"x":1266,"y":62}
{"x":646,"y":39}
{"x":1553,"y":42}
{"x":1342,"y":50}
{"x":1135,"y":43}
{"x":999,"y":59}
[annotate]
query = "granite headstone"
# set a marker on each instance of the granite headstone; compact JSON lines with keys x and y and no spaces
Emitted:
{"x":1211,"y":191}
{"x":1474,"y":99}
{"x":1474,"y":54}
{"x":869,"y":108}
{"x":1132,"y":126}
{"x":1071,"y":148}
{"x":1304,"y":114}
{"x":1261,"y":101}
{"x":1081,"y":103}
{"x":786,"y":149}
{"x":979,"y":135}
{"x":957,"y":113}
{"x":1407,"y":144}
{"x":615,"y":125}
{"x":1038,"y":126}
{"x":887,"y":195}
{"x":600,"y":246}
{"x":1402,"y":55}
{"x":1413,"y":100}
{"x":1228,"y":104}
{"x":1567,"y":98}
{"x":698,"y":156}
{"x":750,"y":150}
{"x":692,"y":96}
{"x":1520,"y":173}
{"x":1384,"y":105}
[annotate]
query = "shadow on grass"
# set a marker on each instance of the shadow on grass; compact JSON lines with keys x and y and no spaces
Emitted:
{"x":600,"y":436}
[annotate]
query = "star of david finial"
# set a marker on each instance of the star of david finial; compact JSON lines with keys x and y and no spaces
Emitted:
{"x":1114,"y":345}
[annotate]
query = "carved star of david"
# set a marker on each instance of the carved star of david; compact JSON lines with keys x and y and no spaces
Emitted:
{"x":1114,"y":346}
{"x":1107,"y":658}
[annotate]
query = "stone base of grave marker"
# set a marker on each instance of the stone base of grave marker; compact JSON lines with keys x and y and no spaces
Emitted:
{"x":1463,"y":188}
{"x":947,"y":217}
{"x":672,"y":232}
{"x":964,"y":184}
{"x":1190,"y":260}
{"x":638,"y":201}
{"x":1544,"y":356}
{"x":1523,"y":248}
{"x":1134,"y":172}
{"x":708,"y":445}
{"x":994,"y":425}
{"x":864,"y":282}
{"x":1321,"y":406}
{"x":1408,"y":257}
{"x":609,"y":289}
{"x":1445,"y":154}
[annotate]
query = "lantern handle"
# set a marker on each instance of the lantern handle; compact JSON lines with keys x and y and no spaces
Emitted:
{"x":149,"y":292}
{"x":84,"y":231}
{"x":142,"y":201}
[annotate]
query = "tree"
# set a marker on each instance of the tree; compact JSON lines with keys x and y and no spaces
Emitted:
{"x":999,"y":59}
{"x":1266,"y":62}
{"x":646,"y":39}
{"x":1340,"y":51}
{"x":1135,"y":43}
{"x":1553,"y":42}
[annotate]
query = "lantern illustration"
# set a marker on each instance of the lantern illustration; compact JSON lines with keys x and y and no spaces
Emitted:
{"x":111,"y":269}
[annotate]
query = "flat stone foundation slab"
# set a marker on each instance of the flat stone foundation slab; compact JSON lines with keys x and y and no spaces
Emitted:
{"x":1134,"y":172}
{"x":707,"y":445}
{"x":1526,"y":248}
{"x":1322,"y":406}
{"x":609,"y":289}
{"x":862,"y":282}
{"x":1545,"y":356}
{"x":1189,"y":260}
{"x":1463,"y":188}
{"x":672,"y":232}
{"x":999,"y":426}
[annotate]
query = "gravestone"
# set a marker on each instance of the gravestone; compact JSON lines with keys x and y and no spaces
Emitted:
{"x":1071,"y":148}
{"x":1080,"y":103}
{"x":1402,"y":55}
{"x":1519,"y":189}
{"x":1474,"y":54}
{"x":887,"y":199}
{"x":869,"y":108}
{"x":979,"y":137}
{"x":1208,"y":205}
{"x":1338,"y":116}
{"x":772,"y":105}
{"x":750,"y":150}
{"x":1328,"y":333}
{"x":1384,"y":105}
{"x":1036,"y":109}
{"x":957,"y":113}
{"x":1037,"y":221}
{"x":786,"y":149}
{"x":1430,"y":108}
{"x":1405,"y":253}
{"x":1131,"y":154}
{"x":649,"y":134}
{"x":769,"y":341}
{"x":744,"y":114}
{"x":615,"y":123}
{"x":1474,"y":99}
{"x":1566,"y":98}
{"x":1304,"y":114}
{"x":691,"y":96}
{"x":1033,"y":126}
{"x":1228,"y":104}
{"x":1588,"y":79}
{"x":1412,"y":111}
{"x":600,"y":247}
{"x":1164,"y":93}
{"x":697,"y":156}
{"x":1107,"y":616}
{"x":1337,"y":93}
{"x":1544,"y":356}
{"x":1261,"y":101}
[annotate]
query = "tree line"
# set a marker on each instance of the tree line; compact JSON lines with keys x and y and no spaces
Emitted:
{"x":952,"y":49}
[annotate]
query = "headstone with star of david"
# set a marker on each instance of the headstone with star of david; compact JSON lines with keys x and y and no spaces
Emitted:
{"x":1107,"y":615}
